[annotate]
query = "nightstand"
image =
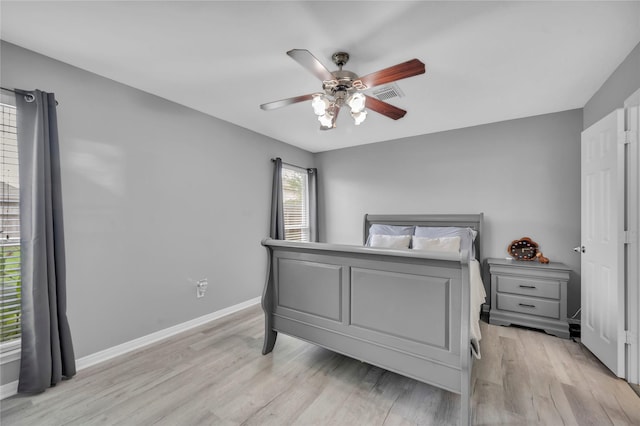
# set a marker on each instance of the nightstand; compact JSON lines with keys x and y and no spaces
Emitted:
{"x":529,"y":293}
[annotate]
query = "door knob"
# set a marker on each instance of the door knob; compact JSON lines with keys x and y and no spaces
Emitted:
{"x":579,"y":249}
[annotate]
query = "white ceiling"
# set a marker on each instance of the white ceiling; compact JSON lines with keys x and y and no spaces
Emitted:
{"x":486,"y":61}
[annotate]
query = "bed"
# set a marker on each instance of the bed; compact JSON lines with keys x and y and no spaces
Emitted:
{"x":413,"y":312}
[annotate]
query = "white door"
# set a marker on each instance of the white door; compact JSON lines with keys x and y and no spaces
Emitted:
{"x":632,"y":109}
{"x":603,"y":307}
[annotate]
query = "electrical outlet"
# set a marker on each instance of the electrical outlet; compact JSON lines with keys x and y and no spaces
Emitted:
{"x":201,"y":287}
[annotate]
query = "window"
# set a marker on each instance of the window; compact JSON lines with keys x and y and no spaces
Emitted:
{"x":295,"y":196}
{"x":9,"y":231}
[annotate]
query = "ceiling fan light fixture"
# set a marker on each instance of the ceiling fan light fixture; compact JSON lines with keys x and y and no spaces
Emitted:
{"x":326,"y":120}
{"x":320,"y":105}
{"x":359,"y":117}
{"x":357,"y":102}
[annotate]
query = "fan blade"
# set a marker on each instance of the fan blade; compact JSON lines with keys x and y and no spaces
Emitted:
{"x":288,"y":101}
{"x":307,"y":60}
{"x":384,"y":108}
{"x":396,"y":72}
{"x":336,"y":111}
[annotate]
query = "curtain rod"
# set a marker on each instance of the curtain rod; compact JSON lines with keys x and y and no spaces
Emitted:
{"x":28,"y":94}
{"x":273,"y":160}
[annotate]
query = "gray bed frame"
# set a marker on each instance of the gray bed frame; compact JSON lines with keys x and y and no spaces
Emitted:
{"x":404,"y":311}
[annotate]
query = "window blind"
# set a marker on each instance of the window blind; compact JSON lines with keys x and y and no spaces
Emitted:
{"x":295,"y":196}
{"x":9,"y":227}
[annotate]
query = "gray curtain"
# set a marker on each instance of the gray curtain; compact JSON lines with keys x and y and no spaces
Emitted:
{"x":313,"y":204}
{"x":47,"y":351}
{"x":277,"y":208}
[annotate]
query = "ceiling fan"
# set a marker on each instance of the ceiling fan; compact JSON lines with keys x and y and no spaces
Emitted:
{"x":344,"y":87}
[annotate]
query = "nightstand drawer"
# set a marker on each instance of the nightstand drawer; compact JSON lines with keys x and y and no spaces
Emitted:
{"x":528,"y":287}
{"x":528,"y":305}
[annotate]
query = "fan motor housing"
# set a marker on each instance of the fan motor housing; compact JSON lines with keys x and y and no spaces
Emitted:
{"x":342,"y":83}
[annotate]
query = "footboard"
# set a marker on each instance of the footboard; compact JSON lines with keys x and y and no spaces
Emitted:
{"x":404,"y":311}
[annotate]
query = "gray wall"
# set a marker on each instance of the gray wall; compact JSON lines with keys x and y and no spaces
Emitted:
{"x":523,"y":174}
{"x":154,"y":194}
{"x":624,"y":81}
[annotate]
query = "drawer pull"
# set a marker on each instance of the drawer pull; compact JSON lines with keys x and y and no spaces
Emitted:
{"x":527,"y":286}
{"x":527,"y":305}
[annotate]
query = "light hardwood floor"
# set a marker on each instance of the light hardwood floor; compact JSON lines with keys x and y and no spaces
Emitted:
{"x":216,"y":375}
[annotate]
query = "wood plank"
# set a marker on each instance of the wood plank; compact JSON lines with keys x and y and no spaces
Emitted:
{"x":586,"y":409}
{"x":515,"y":379}
{"x":489,"y":405}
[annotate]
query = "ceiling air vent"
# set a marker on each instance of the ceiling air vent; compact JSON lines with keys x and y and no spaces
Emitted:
{"x":387,"y":92}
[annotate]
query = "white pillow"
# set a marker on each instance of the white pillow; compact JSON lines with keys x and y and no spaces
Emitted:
{"x":390,"y":241}
{"x":447,"y":244}
{"x":467,"y":235}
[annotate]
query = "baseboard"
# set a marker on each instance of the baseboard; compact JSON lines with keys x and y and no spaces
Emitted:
{"x":10,"y":389}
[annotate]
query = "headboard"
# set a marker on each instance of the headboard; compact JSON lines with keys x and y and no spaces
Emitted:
{"x":473,"y":221}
